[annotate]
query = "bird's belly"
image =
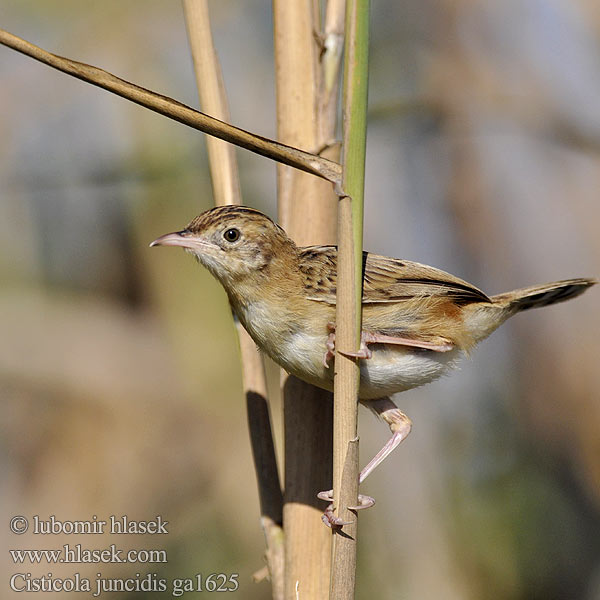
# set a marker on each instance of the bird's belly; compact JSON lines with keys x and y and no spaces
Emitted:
{"x":391,"y":369}
{"x":394,"y":369}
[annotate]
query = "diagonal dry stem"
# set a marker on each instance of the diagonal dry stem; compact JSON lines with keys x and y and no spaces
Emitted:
{"x":305,"y":161}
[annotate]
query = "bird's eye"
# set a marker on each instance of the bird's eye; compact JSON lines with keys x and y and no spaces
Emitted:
{"x":232,"y":235}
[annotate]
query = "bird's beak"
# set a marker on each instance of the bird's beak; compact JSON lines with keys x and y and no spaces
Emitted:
{"x":183,"y":239}
{"x":172,"y":239}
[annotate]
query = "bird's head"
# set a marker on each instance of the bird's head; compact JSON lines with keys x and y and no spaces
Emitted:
{"x":232,"y":242}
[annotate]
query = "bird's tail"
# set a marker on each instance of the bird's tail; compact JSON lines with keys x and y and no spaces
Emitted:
{"x":481,"y":318}
{"x":543,"y":295}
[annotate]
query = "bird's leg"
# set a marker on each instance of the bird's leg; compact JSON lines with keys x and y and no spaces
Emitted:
{"x":368,"y":337}
{"x":400,"y":425}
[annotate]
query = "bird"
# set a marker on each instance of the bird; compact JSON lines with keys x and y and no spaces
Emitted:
{"x":417,"y":321}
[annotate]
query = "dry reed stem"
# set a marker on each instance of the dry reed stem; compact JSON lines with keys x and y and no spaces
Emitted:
{"x":307,"y":210}
{"x":226,"y":190}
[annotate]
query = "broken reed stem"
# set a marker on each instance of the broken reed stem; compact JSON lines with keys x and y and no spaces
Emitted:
{"x":349,"y":295}
{"x":226,"y":190}
{"x":168,"y":107}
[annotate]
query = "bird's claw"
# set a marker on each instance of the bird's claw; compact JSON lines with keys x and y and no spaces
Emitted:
{"x":333,"y":522}
{"x":327,"y":496}
{"x":364,"y":501}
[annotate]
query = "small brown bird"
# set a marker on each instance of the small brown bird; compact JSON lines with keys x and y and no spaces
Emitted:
{"x":417,"y":320}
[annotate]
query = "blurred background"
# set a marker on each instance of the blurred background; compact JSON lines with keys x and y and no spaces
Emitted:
{"x":120,"y":390}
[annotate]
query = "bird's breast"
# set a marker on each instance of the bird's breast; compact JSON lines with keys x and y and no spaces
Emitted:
{"x":285,"y":334}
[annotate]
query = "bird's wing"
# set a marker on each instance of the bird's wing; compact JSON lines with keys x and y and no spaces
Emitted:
{"x":385,"y":280}
{"x":390,"y":280}
{"x":413,"y":304}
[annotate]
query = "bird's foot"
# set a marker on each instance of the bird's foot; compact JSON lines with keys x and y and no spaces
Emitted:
{"x":329,"y":517}
{"x":362,"y":352}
